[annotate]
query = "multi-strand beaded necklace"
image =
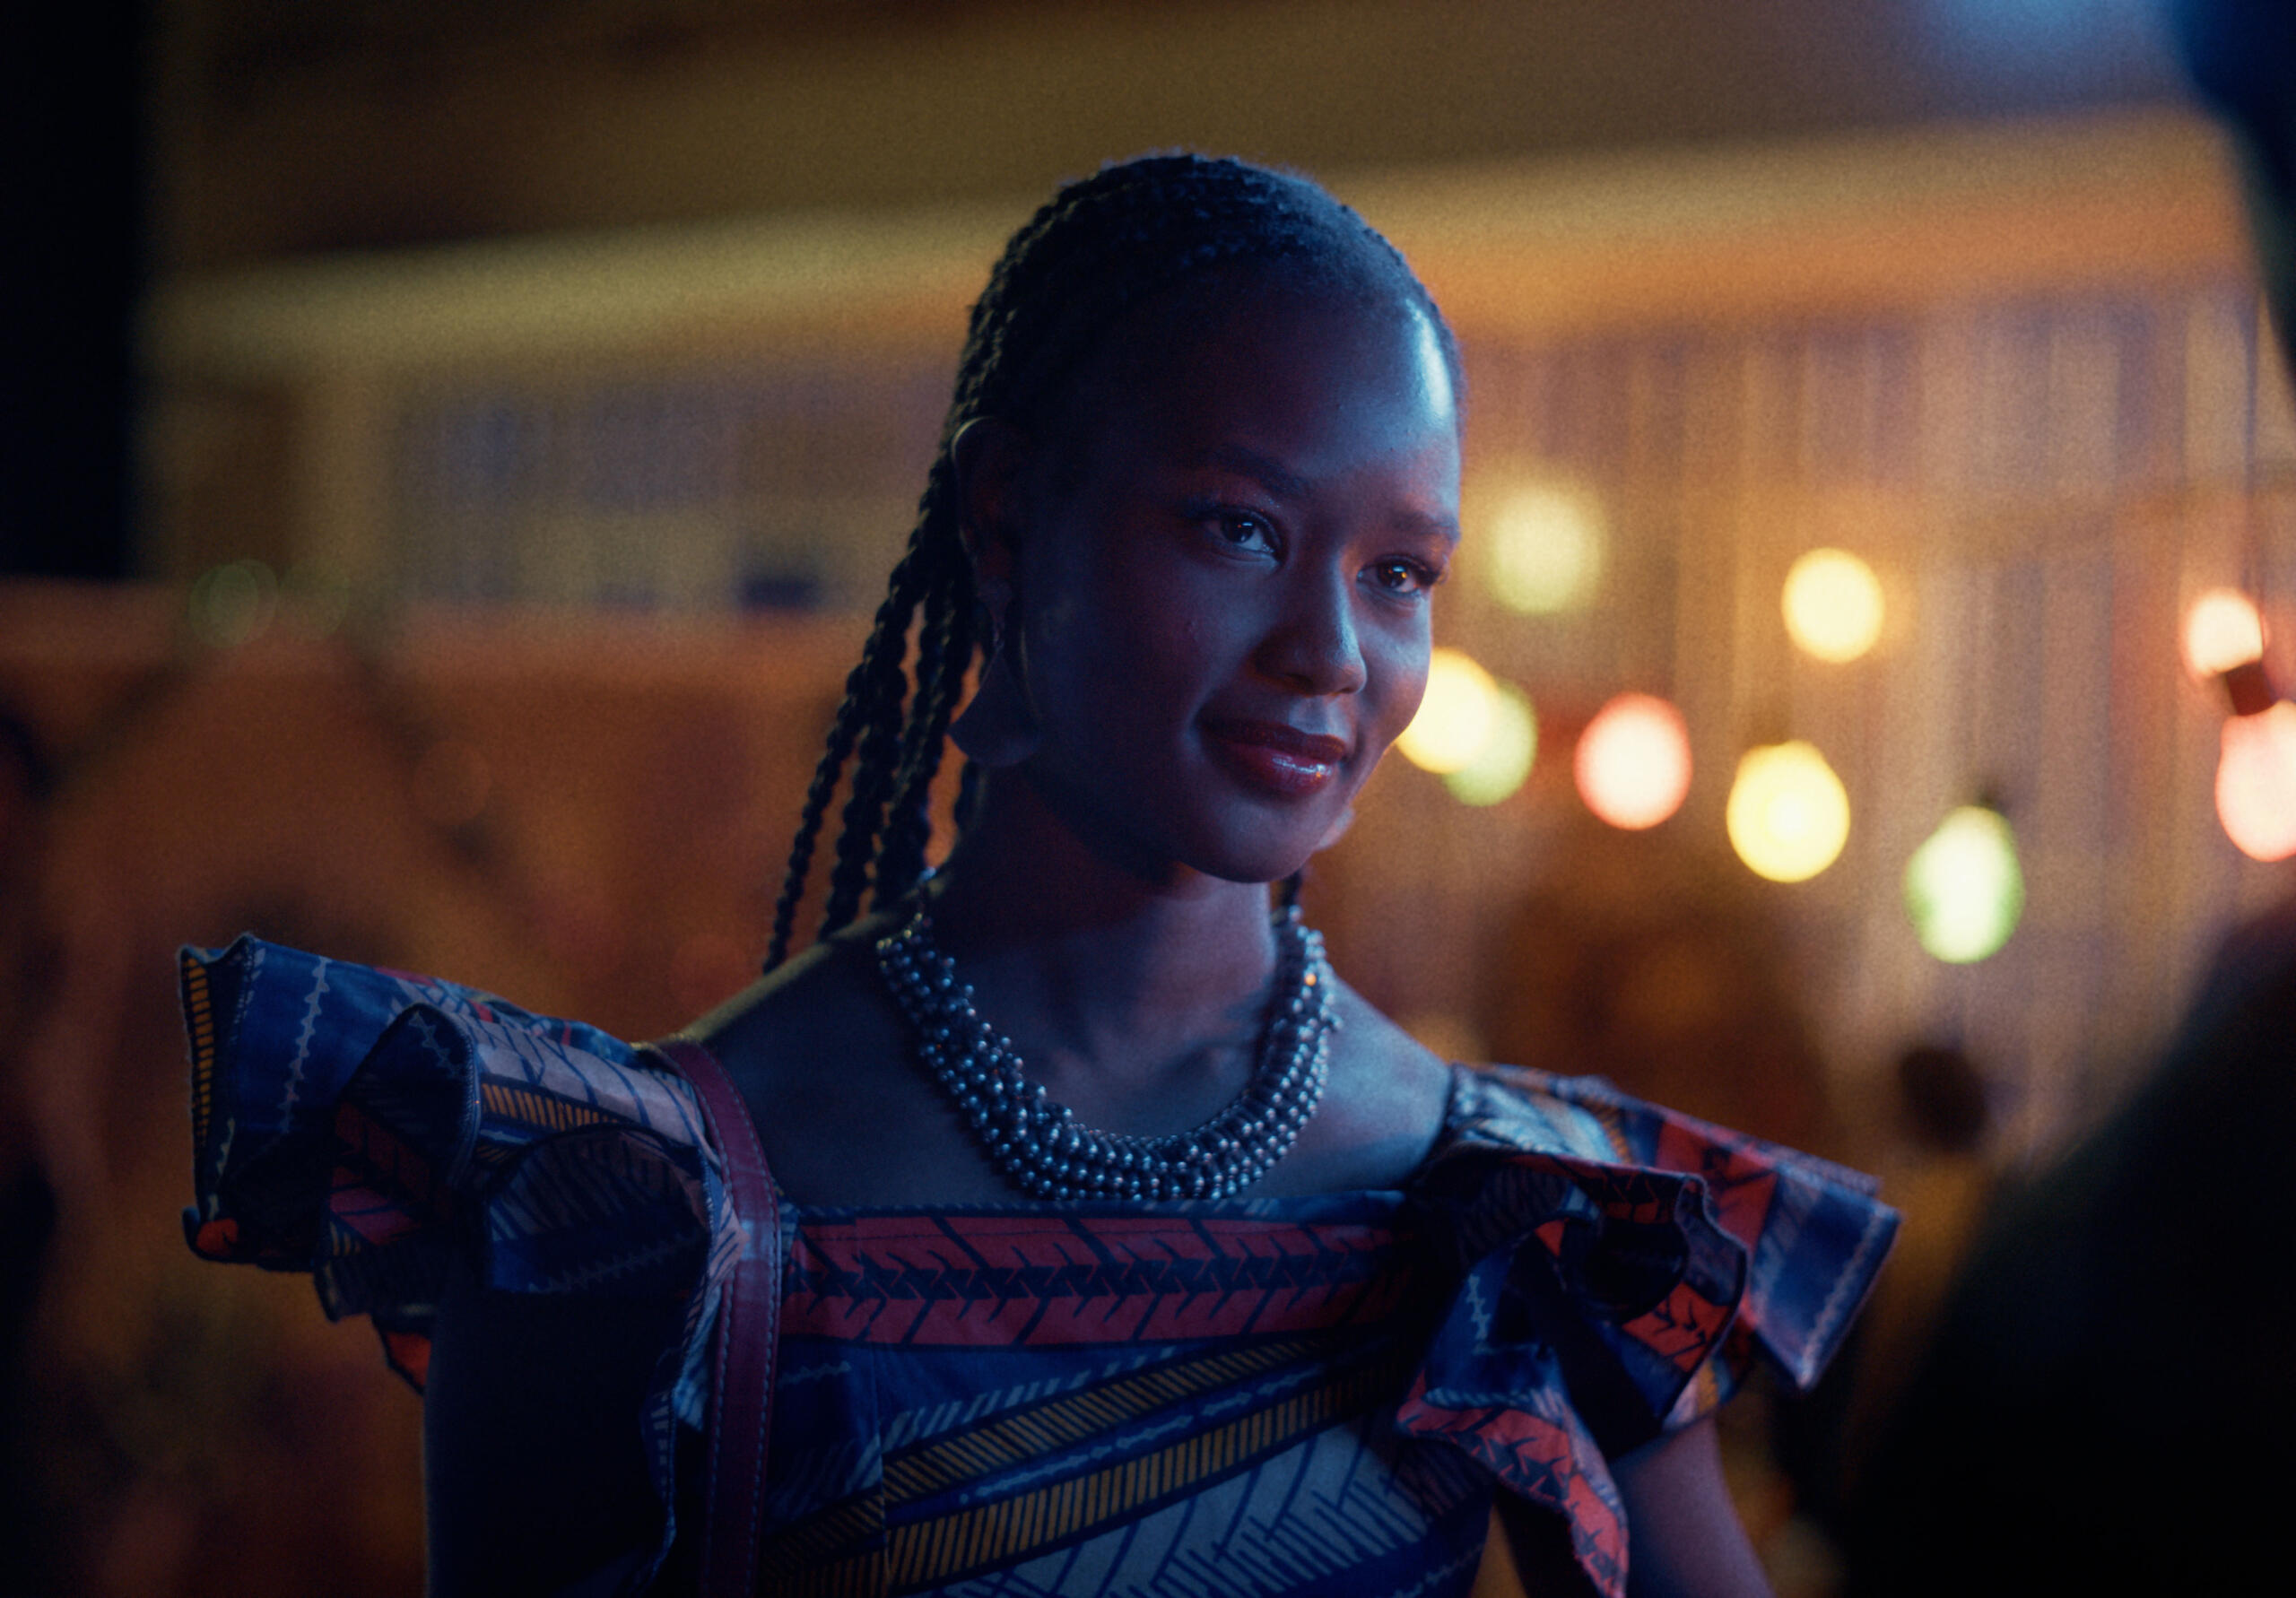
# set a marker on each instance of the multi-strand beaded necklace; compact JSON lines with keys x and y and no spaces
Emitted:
{"x":1039,"y":1144}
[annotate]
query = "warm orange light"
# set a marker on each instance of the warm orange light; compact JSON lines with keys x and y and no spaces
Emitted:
{"x":1544,"y":550}
{"x":1788,"y":815}
{"x":1633,"y":761}
{"x":2255,"y":783}
{"x":1833,"y":604}
{"x":2222,"y":629}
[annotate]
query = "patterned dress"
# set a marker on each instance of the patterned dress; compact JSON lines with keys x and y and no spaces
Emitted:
{"x":1264,"y":1396}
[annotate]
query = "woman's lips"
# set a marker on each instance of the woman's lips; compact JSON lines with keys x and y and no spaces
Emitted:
{"x":1281,"y":758}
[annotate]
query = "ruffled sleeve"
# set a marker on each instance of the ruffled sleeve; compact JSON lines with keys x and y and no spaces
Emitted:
{"x":1622,"y":1269}
{"x":376,"y":1129}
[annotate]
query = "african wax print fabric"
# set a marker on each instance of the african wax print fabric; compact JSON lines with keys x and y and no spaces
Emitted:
{"x":1242,"y":1397}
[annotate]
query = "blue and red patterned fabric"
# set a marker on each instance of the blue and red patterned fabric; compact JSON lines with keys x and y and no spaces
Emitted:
{"x":1242,"y":1397}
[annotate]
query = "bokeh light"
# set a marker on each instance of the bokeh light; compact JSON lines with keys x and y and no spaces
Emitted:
{"x":2255,"y":783}
{"x":1544,"y":550}
{"x":1788,"y":815}
{"x":1456,"y":718}
{"x":233,"y":604}
{"x":1633,"y":761}
{"x":1506,"y":755}
{"x":2222,"y":629}
{"x":1963,"y":887}
{"x":1833,"y":604}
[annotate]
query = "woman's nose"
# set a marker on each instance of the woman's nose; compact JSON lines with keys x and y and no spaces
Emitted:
{"x":1313,"y":646}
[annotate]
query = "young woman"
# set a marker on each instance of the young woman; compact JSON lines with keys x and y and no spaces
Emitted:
{"x":1126,"y":1250}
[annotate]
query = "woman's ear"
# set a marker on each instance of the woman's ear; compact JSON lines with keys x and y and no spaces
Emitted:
{"x":992,"y":458}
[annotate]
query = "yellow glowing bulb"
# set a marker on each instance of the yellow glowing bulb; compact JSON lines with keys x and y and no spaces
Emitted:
{"x":1633,"y":761}
{"x":1455,"y":718}
{"x":1543,"y":551}
{"x":1788,"y":815}
{"x":2222,"y":629}
{"x":1833,"y":604}
{"x":2255,"y":783}
{"x":1506,"y":755}
{"x":1963,"y":887}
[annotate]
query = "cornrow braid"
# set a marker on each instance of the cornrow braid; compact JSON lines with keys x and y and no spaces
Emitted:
{"x":1099,"y":249}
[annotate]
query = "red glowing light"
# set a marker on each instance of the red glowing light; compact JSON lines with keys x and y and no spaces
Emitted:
{"x":1633,"y":761}
{"x":2255,"y":783}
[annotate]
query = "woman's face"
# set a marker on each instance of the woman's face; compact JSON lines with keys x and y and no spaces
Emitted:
{"x":1221,"y":589}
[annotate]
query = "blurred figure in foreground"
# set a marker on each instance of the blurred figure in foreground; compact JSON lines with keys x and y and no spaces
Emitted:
{"x":2108,"y":1405}
{"x":2242,"y":55}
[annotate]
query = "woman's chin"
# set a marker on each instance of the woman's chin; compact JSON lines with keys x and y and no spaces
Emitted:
{"x":1266,"y":843}
{"x":1262,"y":858}
{"x":1229,"y":837}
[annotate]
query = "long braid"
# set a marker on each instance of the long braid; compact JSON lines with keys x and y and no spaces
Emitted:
{"x":831,"y":766}
{"x":890,"y":631}
{"x":885,"y":690}
{"x":946,"y":649}
{"x":907,"y":824}
{"x":1098,"y":248}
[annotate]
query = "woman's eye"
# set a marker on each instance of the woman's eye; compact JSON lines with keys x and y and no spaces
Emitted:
{"x":1403,"y":576}
{"x":1244,"y":529}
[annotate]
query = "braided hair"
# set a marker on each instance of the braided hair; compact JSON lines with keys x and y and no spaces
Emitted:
{"x":1101,"y":247}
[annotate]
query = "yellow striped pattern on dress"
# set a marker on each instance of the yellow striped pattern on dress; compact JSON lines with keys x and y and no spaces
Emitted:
{"x":545,"y":1110}
{"x":1047,"y":1427}
{"x":945,"y":1548}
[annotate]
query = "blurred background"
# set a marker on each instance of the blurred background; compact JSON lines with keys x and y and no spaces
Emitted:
{"x":451,"y":453}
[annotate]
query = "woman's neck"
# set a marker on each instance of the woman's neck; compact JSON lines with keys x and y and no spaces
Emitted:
{"x":1093,"y":960}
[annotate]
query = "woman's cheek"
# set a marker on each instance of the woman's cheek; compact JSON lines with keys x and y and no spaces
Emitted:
{"x":1399,"y":683}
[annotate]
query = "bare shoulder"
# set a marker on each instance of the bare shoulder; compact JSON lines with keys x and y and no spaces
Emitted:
{"x":822,"y":1057}
{"x":1379,"y":1065}
{"x":826,"y":999}
{"x":1383,"y":1109}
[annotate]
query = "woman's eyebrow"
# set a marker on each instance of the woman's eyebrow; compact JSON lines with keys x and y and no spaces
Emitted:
{"x":1271,"y":473}
{"x":1445,"y":527}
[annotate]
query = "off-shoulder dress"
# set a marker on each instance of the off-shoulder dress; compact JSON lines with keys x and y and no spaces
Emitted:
{"x":1240,"y":1397}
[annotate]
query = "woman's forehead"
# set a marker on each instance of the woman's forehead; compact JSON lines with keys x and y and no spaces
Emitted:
{"x":1273,"y":355}
{"x":1433,"y":362}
